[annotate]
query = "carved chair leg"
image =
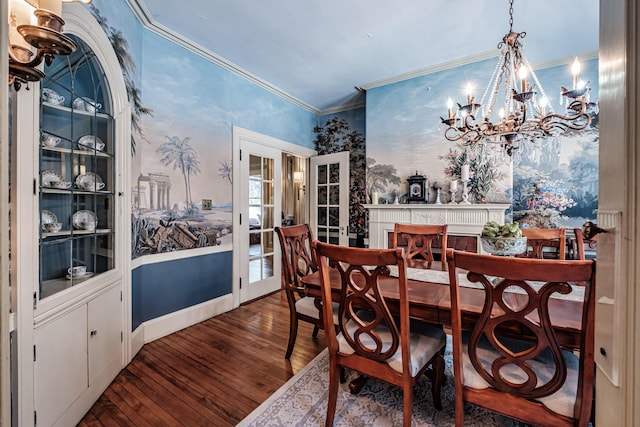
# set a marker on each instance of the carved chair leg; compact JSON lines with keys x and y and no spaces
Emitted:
{"x":293,"y":331}
{"x":437,"y":380}
{"x":314,"y":334}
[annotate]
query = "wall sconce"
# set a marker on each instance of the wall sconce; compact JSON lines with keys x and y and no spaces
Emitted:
{"x":35,"y":35}
{"x":298,"y":179}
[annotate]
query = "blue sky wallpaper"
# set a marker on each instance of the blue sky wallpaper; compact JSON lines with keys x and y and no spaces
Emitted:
{"x":192,"y":105}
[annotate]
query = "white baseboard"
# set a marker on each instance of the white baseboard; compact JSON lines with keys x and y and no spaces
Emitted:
{"x":165,"y":325}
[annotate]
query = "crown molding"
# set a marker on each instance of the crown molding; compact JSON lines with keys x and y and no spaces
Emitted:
{"x":142,"y":13}
{"x":342,"y":108}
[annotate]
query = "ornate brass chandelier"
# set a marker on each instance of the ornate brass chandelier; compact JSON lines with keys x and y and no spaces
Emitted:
{"x":524,"y":116}
{"x":35,"y":35}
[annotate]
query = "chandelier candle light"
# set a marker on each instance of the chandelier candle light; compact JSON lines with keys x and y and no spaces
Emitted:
{"x":524,"y":116}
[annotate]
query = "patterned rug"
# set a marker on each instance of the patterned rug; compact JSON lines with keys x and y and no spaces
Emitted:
{"x":302,"y":401}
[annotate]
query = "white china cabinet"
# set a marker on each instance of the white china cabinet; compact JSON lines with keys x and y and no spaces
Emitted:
{"x":70,"y":262}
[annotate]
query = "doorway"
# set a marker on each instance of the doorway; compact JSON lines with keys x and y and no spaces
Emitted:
{"x":269,"y":177}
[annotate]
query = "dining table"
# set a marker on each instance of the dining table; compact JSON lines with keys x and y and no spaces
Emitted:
{"x":430,"y":301}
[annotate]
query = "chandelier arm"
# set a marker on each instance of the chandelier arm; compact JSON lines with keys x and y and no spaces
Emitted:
{"x":37,"y":60}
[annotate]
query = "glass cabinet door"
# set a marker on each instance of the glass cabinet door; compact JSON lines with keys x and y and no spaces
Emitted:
{"x":77,"y":172}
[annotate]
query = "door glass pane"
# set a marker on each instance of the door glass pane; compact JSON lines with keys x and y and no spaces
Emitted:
{"x":267,"y":169}
{"x":334,"y":216}
{"x":267,"y":192}
{"x":322,"y":174}
{"x":334,"y":173}
{"x":322,"y":215}
{"x":334,"y":236}
{"x":322,"y":234}
{"x":322,"y":195}
{"x":334,"y":194}
{"x":267,"y":217}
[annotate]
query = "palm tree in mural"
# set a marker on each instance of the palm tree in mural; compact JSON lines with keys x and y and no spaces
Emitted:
{"x":225,"y":171}
{"x":181,"y":155}
{"x":128,"y":66}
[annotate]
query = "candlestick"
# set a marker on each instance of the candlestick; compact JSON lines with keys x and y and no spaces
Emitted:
{"x":465,"y":193}
{"x":438,"y":201}
{"x":464,"y":173}
{"x":453,"y":188}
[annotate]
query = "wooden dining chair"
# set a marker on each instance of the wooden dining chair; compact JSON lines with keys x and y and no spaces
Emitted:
{"x":581,"y":243}
{"x":532,"y":380}
{"x":371,"y":341}
{"x":540,"y":238}
{"x":420,"y":240}
{"x":297,"y":261}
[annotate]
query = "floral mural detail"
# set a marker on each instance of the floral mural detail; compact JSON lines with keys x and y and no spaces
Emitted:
{"x":483,"y":171}
{"x":545,"y":200}
{"x":337,"y":136}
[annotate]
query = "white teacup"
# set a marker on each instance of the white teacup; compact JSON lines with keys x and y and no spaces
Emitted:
{"x":51,"y":96}
{"x":91,"y":185}
{"x":86,"y":104}
{"x":77,"y":271}
{"x":49,"y":140}
{"x":53,"y":227}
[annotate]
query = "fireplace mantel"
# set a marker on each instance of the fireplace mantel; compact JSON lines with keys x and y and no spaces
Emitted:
{"x":463,"y":220}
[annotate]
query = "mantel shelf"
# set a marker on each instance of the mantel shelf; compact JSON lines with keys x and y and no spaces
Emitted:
{"x":462,"y":220}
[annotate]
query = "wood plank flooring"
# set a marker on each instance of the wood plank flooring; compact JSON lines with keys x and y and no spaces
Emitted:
{"x":210,"y":374}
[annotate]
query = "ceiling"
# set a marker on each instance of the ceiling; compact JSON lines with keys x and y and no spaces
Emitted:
{"x":318,"y":52}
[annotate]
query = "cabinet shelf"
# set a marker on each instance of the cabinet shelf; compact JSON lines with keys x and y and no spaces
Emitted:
{"x":63,"y":110}
{"x":78,"y":152}
{"x":74,"y":191}
{"x":64,"y":233}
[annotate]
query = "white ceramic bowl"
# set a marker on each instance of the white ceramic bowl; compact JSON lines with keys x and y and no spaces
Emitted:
{"x":504,"y":246}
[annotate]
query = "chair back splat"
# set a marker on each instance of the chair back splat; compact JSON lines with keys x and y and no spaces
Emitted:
{"x":420,"y":239}
{"x":509,"y":360}
{"x":554,"y":239}
{"x":371,"y":340}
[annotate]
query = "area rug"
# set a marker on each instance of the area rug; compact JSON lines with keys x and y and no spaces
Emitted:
{"x":302,"y":401}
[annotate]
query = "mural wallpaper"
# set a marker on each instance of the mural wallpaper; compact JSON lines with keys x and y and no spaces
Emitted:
{"x":184,"y":108}
{"x":551,"y":183}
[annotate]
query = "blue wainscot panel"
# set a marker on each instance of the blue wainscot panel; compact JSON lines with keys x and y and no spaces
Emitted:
{"x":162,"y":288}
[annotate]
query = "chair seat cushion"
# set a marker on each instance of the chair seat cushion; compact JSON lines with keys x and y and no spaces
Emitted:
{"x":561,"y":402}
{"x":307,"y":307}
{"x":425,"y":341}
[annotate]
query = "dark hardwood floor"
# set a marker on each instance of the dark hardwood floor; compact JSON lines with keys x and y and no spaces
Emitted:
{"x":210,"y":374}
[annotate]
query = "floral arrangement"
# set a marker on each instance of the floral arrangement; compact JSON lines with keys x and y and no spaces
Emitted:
{"x":545,"y":199}
{"x":483,"y":173}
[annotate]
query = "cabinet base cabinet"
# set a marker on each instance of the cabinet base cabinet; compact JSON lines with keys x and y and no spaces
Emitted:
{"x":77,"y":355}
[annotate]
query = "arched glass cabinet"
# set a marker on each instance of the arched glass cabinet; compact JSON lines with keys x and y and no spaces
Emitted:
{"x":69,"y":235}
{"x":77,"y":172}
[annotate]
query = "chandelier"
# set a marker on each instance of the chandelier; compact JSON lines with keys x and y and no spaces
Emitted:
{"x":526,"y":114}
{"x":35,"y":35}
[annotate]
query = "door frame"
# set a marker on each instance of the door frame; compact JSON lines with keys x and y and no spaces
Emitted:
{"x":239,"y":134}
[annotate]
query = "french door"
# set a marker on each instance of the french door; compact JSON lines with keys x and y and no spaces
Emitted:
{"x":329,"y":204}
{"x":260,"y":192}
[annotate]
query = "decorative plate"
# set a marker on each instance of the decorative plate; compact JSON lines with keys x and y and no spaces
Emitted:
{"x":47,"y":217}
{"x":89,"y":181}
{"x":51,"y":178}
{"x":90,"y":142}
{"x":84,"y":220}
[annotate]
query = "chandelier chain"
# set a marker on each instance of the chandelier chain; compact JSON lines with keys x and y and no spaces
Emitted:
{"x":510,"y":16}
